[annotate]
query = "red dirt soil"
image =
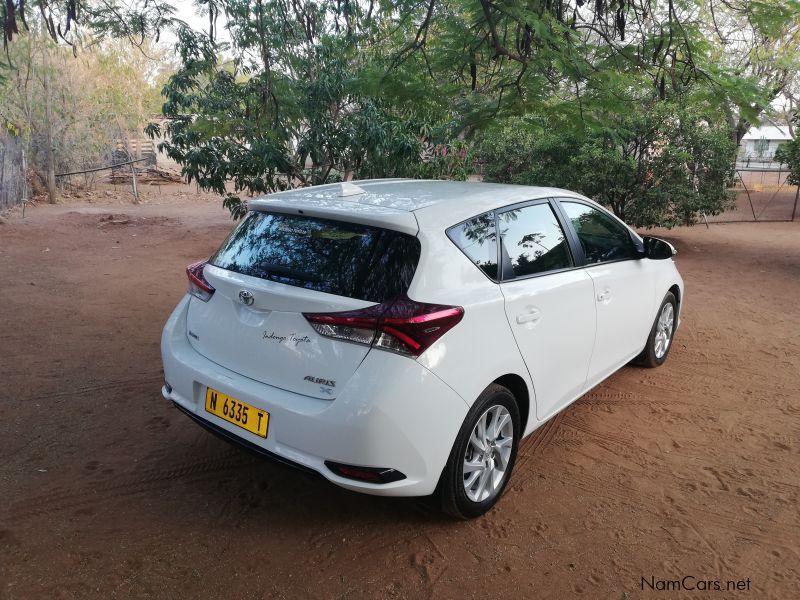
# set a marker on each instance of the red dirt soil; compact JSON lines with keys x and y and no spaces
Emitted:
{"x":107,"y":491}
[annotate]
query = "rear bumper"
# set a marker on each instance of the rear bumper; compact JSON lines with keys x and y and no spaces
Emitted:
{"x":236,"y":440}
{"x":393,"y":413}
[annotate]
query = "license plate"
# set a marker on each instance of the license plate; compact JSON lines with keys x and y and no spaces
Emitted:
{"x":237,"y":412}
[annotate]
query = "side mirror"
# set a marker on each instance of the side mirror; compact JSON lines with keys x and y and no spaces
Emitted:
{"x":658,"y":249}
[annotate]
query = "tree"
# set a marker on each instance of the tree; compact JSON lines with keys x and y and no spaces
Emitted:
{"x":788,"y":153}
{"x":758,"y":42}
{"x":662,"y":166}
{"x":292,"y":107}
{"x":69,"y":110}
{"x":67,"y":21}
{"x":315,"y":91}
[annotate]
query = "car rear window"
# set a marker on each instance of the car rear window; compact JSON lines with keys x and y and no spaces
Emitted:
{"x":477,"y":239}
{"x":346,"y":259}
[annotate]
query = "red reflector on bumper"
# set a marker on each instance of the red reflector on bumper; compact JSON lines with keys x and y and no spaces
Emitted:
{"x":368,"y":474}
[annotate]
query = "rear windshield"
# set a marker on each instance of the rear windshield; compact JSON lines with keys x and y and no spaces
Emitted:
{"x":346,"y":259}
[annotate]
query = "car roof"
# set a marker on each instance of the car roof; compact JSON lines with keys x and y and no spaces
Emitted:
{"x":395,"y":202}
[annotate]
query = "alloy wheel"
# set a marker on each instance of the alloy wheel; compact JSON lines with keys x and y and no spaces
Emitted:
{"x":488,"y":453}
{"x":664,"y":330}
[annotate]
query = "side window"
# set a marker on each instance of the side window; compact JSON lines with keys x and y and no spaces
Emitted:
{"x":477,"y":239}
{"x":533,"y":241}
{"x":601,"y":237}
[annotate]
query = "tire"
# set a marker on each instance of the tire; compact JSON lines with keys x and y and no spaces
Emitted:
{"x":662,"y":334}
{"x":471,"y":496}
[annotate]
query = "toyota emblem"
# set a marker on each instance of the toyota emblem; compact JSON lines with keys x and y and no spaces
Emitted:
{"x":245,"y":297}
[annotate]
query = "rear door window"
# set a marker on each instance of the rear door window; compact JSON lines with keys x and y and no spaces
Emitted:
{"x":532,"y":241}
{"x":477,"y":239}
{"x":336,"y":257}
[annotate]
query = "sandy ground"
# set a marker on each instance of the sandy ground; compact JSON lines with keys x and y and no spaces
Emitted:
{"x":107,"y":491}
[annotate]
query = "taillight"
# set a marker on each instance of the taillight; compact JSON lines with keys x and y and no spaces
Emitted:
{"x":401,"y":325}
{"x":198,"y":286}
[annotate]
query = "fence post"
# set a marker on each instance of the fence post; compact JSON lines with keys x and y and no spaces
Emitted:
{"x":749,"y":199}
{"x":24,"y":183}
{"x":135,"y":189}
{"x":794,"y":209}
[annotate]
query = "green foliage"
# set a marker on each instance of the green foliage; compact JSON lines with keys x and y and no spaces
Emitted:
{"x":761,"y":146}
{"x":294,"y":107}
{"x":523,"y":151}
{"x":788,"y":154}
{"x":319,"y":91}
{"x":455,"y":161}
{"x":101,"y":96}
{"x":69,"y":21}
{"x":629,"y":101}
{"x":11,"y":128}
{"x":660,"y":167}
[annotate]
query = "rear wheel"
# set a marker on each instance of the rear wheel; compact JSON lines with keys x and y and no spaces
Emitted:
{"x":660,"y":340}
{"x":483,"y":455}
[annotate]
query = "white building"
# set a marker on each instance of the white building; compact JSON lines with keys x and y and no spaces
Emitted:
{"x":760,"y":143}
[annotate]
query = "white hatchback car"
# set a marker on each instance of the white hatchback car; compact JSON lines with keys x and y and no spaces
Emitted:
{"x":400,"y":337}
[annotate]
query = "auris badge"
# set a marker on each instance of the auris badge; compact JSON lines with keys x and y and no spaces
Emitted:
{"x":245,"y":297}
{"x":321,"y":380}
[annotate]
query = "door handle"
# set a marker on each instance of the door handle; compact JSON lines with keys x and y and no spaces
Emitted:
{"x":531,"y":316}
{"x":605,"y":296}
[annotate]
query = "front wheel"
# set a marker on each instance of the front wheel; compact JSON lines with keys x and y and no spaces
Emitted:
{"x":483,"y":455}
{"x":660,"y":340}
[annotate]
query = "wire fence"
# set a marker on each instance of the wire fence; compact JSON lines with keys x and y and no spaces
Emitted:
{"x":762,"y":194}
{"x":762,"y":190}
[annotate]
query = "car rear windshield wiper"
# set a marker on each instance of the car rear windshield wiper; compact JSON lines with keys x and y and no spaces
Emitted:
{"x":269,"y":270}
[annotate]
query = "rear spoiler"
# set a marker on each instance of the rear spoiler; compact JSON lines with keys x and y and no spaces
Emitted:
{"x":312,"y":203}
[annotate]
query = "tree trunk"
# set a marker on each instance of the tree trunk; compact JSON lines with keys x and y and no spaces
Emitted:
{"x":133,"y":182}
{"x":48,"y":126}
{"x":742,"y":127}
{"x":12,"y":171}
